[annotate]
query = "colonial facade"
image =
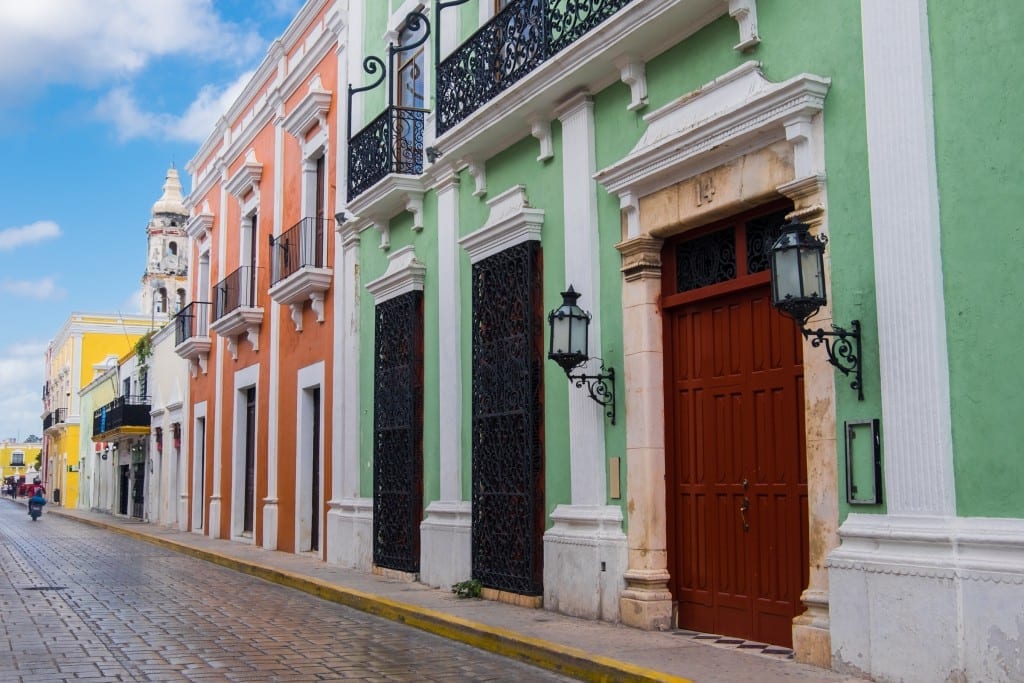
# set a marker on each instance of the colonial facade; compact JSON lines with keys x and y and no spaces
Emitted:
{"x":85,"y":342}
{"x":258,"y":328}
{"x":384,"y":396}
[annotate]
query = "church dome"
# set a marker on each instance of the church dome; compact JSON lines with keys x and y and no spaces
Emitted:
{"x":172,"y":200}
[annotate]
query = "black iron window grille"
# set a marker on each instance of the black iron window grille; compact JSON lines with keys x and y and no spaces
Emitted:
{"x":192,"y":321}
{"x":300,"y":246}
{"x":761,"y":235}
{"x":237,"y":290}
{"x":706,"y":260}
{"x":398,"y":433}
{"x":393,"y":141}
{"x":518,"y":39}
{"x":508,"y":453}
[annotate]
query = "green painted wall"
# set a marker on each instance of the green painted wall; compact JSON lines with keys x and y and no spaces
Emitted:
{"x":976,"y":55}
{"x":798,"y":37}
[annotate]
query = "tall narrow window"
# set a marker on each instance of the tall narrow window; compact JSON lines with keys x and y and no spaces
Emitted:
{"x":409,"y":97}
{"x":318,"y":234}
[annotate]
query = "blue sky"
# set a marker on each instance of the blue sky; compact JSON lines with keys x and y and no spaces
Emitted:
{"x":97,"y":99}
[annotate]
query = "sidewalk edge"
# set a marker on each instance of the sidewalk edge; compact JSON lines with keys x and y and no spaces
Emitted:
{"x":561,"y":659}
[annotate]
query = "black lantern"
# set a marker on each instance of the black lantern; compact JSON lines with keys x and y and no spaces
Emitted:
{"x":798,"y":291}
{"x":569,"y":348}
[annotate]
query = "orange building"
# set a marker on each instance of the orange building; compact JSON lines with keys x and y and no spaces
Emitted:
{"x":258,"y":330}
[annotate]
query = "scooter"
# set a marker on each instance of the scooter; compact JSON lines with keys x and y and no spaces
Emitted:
{"x":34,"y":510}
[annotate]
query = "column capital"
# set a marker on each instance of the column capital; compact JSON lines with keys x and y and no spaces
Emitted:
{"x":641,"y":257}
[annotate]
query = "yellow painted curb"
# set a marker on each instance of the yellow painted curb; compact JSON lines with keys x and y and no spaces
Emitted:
{"x":562,"y":659}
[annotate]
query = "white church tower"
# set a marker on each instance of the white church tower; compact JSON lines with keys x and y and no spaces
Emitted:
{"x":165,"y":282}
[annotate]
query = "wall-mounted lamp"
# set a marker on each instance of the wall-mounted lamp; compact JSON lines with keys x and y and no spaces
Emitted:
{"x":340,"y":218}
{"x":798,"y":290}
{"x":433,"y":154}
{"x":568,"y":327}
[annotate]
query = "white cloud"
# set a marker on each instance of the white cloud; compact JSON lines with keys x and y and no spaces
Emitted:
{"x":121,"y":108}
{"x":43,"y":289}
{"x":95,"y":41}
{"x":21,"y":375}
{"x":27,"y":234}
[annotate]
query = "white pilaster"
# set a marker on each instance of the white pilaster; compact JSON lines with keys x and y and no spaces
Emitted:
{"x":908,"y":287}
{"x":446,"y":553}
{"x":213,"y":526}
{"x":585,"y":552}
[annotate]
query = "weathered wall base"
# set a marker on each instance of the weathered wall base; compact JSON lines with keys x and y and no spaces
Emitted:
{"x":584,"y":561}
{"x":350,"y":533}
{"x":953,"y":583}
{"x":445,"y":544}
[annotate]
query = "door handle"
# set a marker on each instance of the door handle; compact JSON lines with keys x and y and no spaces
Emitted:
{"x":744,"y":506}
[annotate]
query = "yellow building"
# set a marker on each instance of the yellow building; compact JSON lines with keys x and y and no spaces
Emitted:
{"x":85,"y":346}
{"x":19,"y":459}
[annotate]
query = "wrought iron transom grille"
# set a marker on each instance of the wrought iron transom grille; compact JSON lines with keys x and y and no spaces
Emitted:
{"x":398,"y":432}
{"x":740,"y":249}
{"x":508,"y":457}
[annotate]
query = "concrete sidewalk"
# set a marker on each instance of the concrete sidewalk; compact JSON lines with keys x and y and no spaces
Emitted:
{"x":588,"y":650}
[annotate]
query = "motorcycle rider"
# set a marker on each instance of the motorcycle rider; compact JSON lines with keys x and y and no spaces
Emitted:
{"x":38,"y":500}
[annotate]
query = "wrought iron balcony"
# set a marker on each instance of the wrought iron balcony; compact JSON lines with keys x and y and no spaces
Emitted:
{"x":391,"y":143}
{"x":513,"y":43}
{"x":55,"y":418}
{"x":297,"y":268}
{"x":123,"y":415}
{"x":235,"y":308}
{"x":192,"y":333}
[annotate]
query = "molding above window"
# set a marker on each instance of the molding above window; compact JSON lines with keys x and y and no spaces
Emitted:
{"x":312,"y":110}
{"x":404,"y":274}
{"x":247,"y":178}
{"x":198,"y":227}
{"x":511,"y":221}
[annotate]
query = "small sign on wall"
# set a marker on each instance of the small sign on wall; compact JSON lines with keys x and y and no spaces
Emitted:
{"x":863,"y":462}
{"x":72,"y":468}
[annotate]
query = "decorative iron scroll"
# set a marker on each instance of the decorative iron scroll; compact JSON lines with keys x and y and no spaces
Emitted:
{"x":398,"y":433}
{"x":508,"y":456}
{"x":706,"y":260}
{"x":761,"y":235}
{"x":513,"y":43}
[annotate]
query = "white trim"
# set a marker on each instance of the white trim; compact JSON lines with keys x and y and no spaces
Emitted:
{"x":449,"y":337}
{"x":404,"y":274}
{"x":198,"y":485}
{"x":243,"y":380}
{"x":246,"y":179}
{"x":745,"y":14}
{"x":913,"y":356}
{"x":310,"y":377}
{"x":311,"y":110}
{"x":582,"y":269}
{"x":198,"y":227}
{"x":511,"y":221}
{"x":737,"y":112}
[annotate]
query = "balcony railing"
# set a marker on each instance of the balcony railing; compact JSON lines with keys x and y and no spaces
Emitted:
{"x":513,"y":43}
{"x":237,"y":290}
{"x":301,"y":246}
{"x":54,"y":418}
{"x":391,"y":143}
{"x":123,"y":411}
{"x":192,"y":321}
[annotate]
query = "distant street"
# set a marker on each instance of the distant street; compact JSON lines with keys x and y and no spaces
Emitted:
{"x":79,"y":603}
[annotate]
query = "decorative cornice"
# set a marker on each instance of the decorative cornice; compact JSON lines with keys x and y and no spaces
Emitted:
{"x":247,"y":178}
{"x":198,"y":227}
{"x":312,"y":110}
{"x":511,"y":221}
{"x":737,"y":112}
{"x":404,"y":274}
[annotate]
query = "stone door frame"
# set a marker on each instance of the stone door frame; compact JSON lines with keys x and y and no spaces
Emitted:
{"x":735,"y":143}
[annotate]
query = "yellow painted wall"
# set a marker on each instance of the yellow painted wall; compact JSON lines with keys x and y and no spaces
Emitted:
{"x":31,"y":451}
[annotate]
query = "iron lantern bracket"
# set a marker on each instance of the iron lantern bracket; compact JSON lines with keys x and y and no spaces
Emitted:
{"x":601,"y":387}
{"x":844,"y":353}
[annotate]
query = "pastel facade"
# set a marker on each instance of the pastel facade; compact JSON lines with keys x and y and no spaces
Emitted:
{"x":258,"y":331}
{"x":19,"y":459}
{"x":392,"y":406}
{"x":83,"y":342}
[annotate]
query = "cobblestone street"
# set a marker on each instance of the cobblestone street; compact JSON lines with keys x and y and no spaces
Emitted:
{"x":83,"y":603}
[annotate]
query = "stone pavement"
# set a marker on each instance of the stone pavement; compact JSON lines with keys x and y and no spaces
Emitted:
{"x":584,"y":649}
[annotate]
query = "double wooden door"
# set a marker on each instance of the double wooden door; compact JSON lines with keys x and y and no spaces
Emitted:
{"x":736,"y":463}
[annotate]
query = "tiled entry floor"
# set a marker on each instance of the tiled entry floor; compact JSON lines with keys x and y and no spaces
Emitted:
{"x":773,"y":651}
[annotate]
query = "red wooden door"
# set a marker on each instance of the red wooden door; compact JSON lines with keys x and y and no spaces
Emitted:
{"x":736,"y":464}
